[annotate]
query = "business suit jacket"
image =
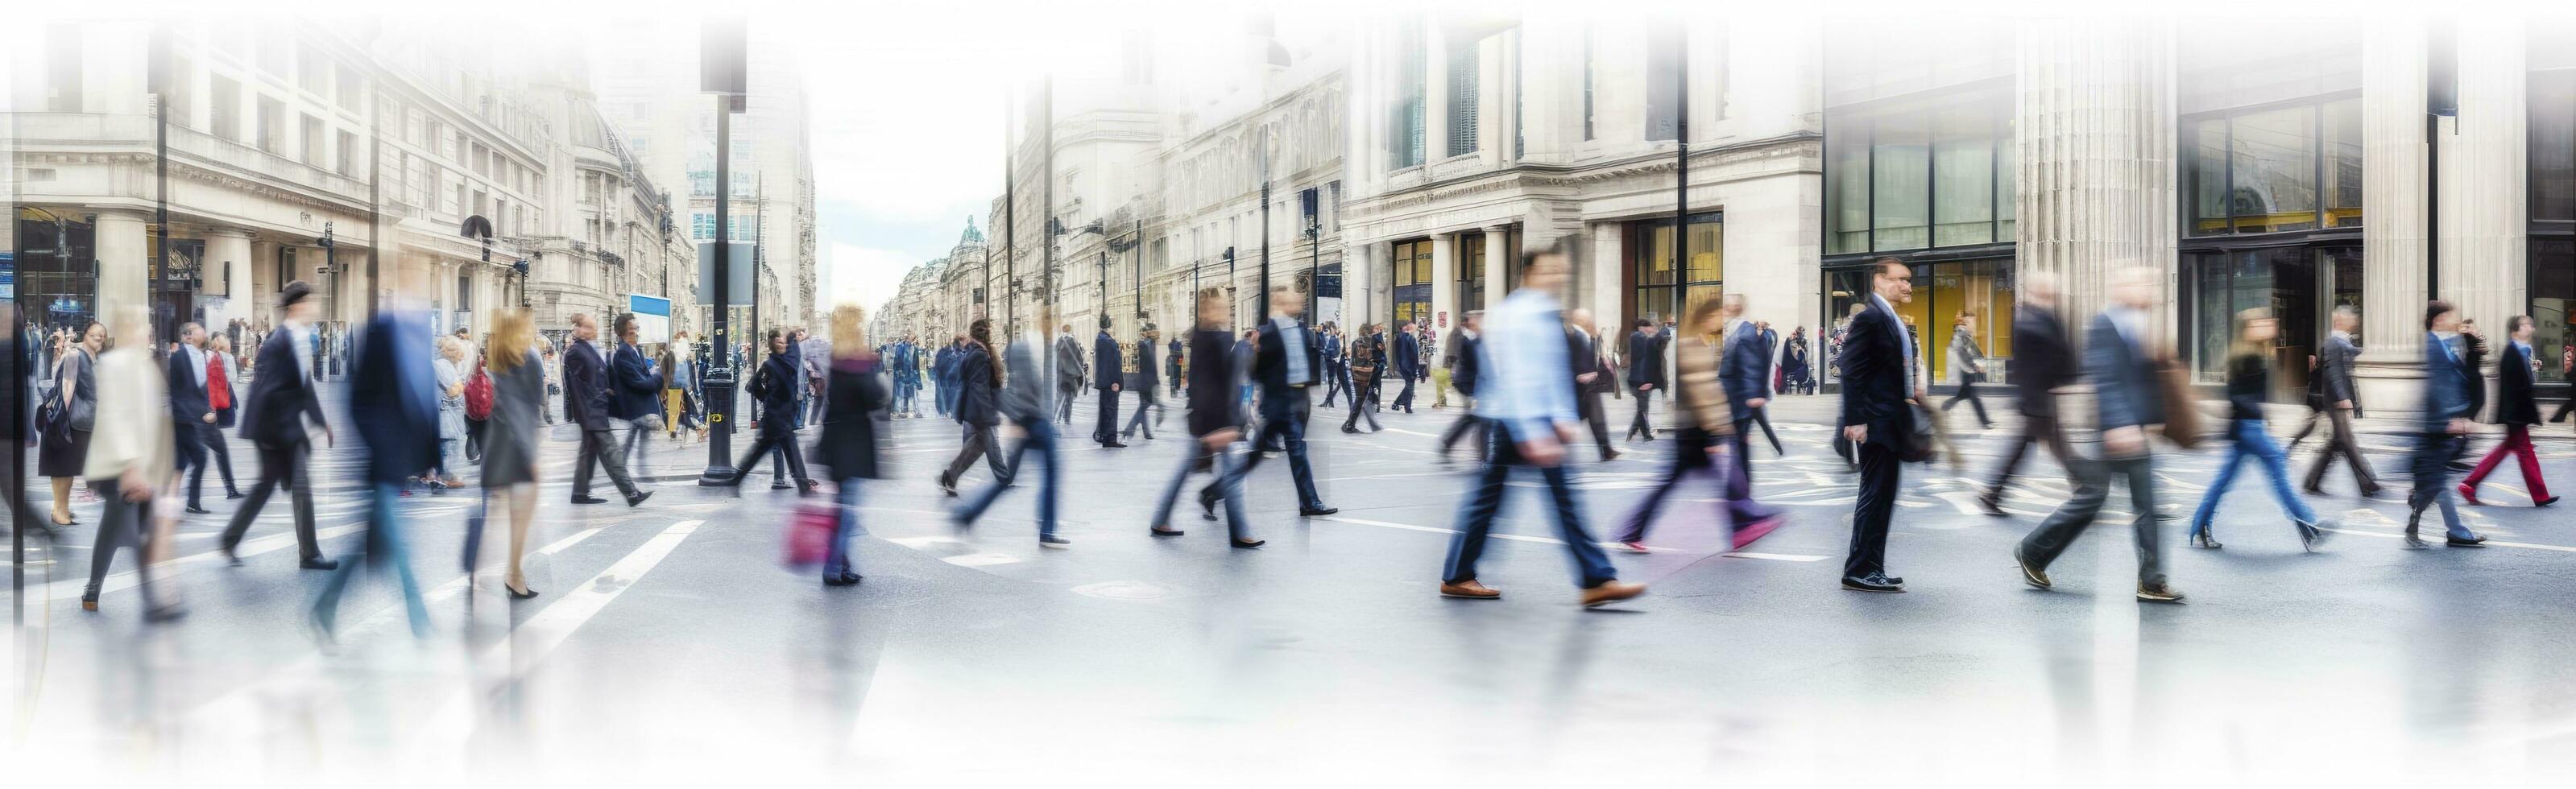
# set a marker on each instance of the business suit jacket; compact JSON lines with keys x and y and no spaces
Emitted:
{"x":2043,"y":358}
{"x":1270,"y":368}
{"x":1470,"y":363}
{"x":1104,"y":359}
{"x":2334,"y":365}
{"x":1408,"y":355}
{"x":2473,"y":355}
{"x":1645,"y":360}
{"x":2125,"y":389}
{"x":281,"y":395}
{"x":2514,"y":383}
{"x":1743,"y":369}
{"x":1212,"y":395}
{"x":585,"y":386}
{"x":978,"y":402}
{"x":634,"y":389}
{"x":2447,"y":382}
{"x":1068,"y":362}
{"x":943,"y":365}
{"x":1582,"y":355}
{"x":393,"y":397}
{"x":1875,"y":382}
{"x":188,"y":399}
{"x":781,"y":376}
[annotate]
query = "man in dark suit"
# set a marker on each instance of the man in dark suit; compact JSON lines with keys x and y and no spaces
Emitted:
{"x":280,"y":403}
{"x":635,"y":396}
{"x":1463,"y":348}
{"x":2517,"y":374}
{"x":1147,"y":380}
{"x":586,"y":403}
{"x":1213,"y":424}
{"x":1744,"y":371}
{"x":1877,"y":420}
{"x":393,"y":401}
{"x":1286,"y":361}
{"x":2043,"y":360}
{"x":2448,"y":380}
{"x":1336,"y":373}
{"x":1645,"y":374}
{"x":2121,"y":360}
{"x":2343,"y":404}
{"x":1069,"y":372}
{"x":1105,"y":364}
{"x":191,"y":414}
{"x":1583,"y":363}
{"x":1408,"y":362}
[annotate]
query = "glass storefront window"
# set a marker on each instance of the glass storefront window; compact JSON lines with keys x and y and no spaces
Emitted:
{"x":2342,"y":166}
{"x":1920,"y":173}
{"x":2274,"y":154}
{"x":2553,"y":302}
{"x":1651,"y":291}
{"x":2205,"y":166}
{"x":2284,"y":280}
{"x":1963,"y":176}
{"x":1471,"y":272}
{"x":1412,"y":265}
{"x":2553,"y":146}
{"x":1942,"y":291}
{"x":1847,"y":193}
{"x":2274,"y":169}
{"x":1900,"y":171}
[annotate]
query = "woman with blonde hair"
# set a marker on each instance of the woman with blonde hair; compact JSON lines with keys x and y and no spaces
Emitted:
{"x":131,"y":460}
{"x":855,"y":392}
{"x":2249,"y":376}
{"x":510,"y":436}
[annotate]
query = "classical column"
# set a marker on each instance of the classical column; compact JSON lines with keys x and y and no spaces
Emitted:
{"x":1603,"y":275}
{"x":2485,"y":164}
{"x":1497,"y":252}
{"x":229,"y":262}
{"x":1360,"y":266}
{"x":2096,"y":142}
{"x":2392,"y":203}
{"x":123,"y":273}
{"x":1444,"y":278}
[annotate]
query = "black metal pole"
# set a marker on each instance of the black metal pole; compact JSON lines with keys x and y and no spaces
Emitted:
{"x":1681,"y":161}
{"x":1046,"y":191}
{"x":1265,"y":218}
{"x":719,"y":384}
{"x":1136,"y":245}
{"x":163,"y":328}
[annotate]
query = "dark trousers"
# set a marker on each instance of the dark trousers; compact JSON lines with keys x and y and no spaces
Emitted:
{"x":2432,"y":472}
{"x":2342,"y":443}
{"x":1466,"y":426}
{"x":1871,"y":512}
{"x":1588,"y":405}
{"x":1144,"y":402}
{"x":978,"y":440}
{"x":1363,"y":408}
{"x":1176,"y":383}
{"x":1285,"y":423}
{"x":474,"y":439}
{"x":1404,"y":399}
{"x":121,"y":523}
{"x":2564,"y":407}
{"x":1336,"y":381}
{"x":279,"y":465}
{"x":1485,"y":503}
{"x":1640,"y":425}
{"x":1762,"y":417}
{"x":780,"y":445}
{"x":1221,"y":466}
{"x":1105,"y":429}
{"x":192,"y":453}
{"x":1064,"y":397}
{"x":1739,"y":486}
{"x":1968,"y":393}
{"x":1041,"y":437}
{"x":2035,"y":429}
{"x":598,"y":448}
{"x":2093,"y":487}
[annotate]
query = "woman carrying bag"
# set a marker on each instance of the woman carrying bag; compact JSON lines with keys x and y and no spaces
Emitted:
{"x":75,"y":403}
{"x":856,"y":395}
{"x":510,"y":441}
{"x":131,"y":461}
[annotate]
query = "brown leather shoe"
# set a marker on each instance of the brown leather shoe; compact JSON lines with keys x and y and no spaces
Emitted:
{"x":1611,"y":592}
{"x":1471,"y":590}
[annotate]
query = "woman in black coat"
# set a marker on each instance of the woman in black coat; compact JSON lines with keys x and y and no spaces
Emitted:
{"x":857,"y":393}
{"x":979,"y":382}
{"x":776,"y":387}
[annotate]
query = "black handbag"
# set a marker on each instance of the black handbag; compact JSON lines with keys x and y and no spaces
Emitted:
{"x":51,"y":426}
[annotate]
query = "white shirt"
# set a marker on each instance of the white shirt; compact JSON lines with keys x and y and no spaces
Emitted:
{"x":1292,"y":343}
{"x":197,"y":362}
{"x":300,"y":340}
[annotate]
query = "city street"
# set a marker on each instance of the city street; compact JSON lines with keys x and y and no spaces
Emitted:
{"x":667,"y":639}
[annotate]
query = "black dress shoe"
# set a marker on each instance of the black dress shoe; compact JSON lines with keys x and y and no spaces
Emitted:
{"x":197,"y":510}
{"x":588,"y":500}
{"x":841,"y":579}
{"x":638,"y":498}
{"x":319,"y":564}
{"x":1162,"y":531}
{"x":777,"y":486}
{"x":1350,"y":429}
{"x":2545,"y":502}
{"x":1248,"y":543}
{"x":230,"y":495}
{"x":1874,"y":582}
{"x":519,"y":594}
{"x":1313,"y":512}
{"x":1207,"y":506}
{"x":2471,"y":541}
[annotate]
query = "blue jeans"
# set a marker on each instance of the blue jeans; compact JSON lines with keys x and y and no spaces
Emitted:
{"x":1284,"y":420}
{"x":2432,"y":471}
{"x":384,"y":545}
{"x":2250,"y":438}
{"x":839,"y":560}
{"x":905,"y":397}
{"x":1041,"y":436}
{"x":1485,"y":503}
{"x":1229,"y":487}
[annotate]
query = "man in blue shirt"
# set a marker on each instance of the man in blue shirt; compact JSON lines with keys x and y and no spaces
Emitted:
{"x":2448,"y":378}
{"x":1527,"y":401}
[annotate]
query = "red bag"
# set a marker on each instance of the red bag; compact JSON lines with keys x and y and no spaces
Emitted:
{"x":809,"y":535}
{"x":478,"y":395}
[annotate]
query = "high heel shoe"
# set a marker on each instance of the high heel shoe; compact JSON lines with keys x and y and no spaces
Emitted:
{"x":518,"y":594}
{"x":2205,"y":538}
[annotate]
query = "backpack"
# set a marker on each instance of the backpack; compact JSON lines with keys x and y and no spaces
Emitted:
{"x":478,"y":396}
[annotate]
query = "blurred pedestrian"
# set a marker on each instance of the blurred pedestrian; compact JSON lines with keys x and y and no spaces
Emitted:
{"x":1967,"y":367}
{"x":1365,"y":363}
{"x":2448,"y":381}
{"x":510,"y":447}
{"x":943,"y":372}
{"x":677,"y":379}
{"x":192,"y":409}
{"x":1877,"y":420}
{"x":223,"y":370}
{"x":393,"y":399}
{"x":1743,"y":371}
{"x":1172,"y":356}
{"x":1704,"y":435}
{"x":448,"y":373}
{"x":815,"y":355}
{"x":2249,"y":377}
{"x":775,"y":386}
{"x":1213,"y":423}
{"x":1796,"y":368}
{"x":280,"y":416}
{"x":2335,"y":372}
{"x":1407,"y":357}
{"x":64,"y":455}
{"x":1467,"y":368}
{"x":636,"y":389}
{"x":1105,"y":366}
{"x":130,"y":463}
{"x":854,"y":395}
{"x":1287,"y":362}
{"x":1071,"y":368}
{"x":2043,"y":360}
{"x":1023,"y":398}
{"x":2516,"y":377}
{"x":1147,"y":380}
{"x":1645,"y":354}
{"x":2121,"y":361}
{"x":1530,"y":409}
{"x":977,"y":409}
{"x":587,"y":397}
{"x":1590,"y":376}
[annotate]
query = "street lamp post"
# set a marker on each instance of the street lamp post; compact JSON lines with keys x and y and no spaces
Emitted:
{"x":721,"y":72}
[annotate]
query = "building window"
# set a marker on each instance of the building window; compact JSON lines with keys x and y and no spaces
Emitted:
{"x":1652,"y":288}
{"x":1921,"y":173}
{"x":2273,"y":169}
{"x":1412,"y":265}
{"x":1591,"y":73}
{"x":223,"y":108}
{"x":182,"y":89}
{"x":1943,"y":291}
{"x":2553,"y":219}
{"x":348,"y":154}
{"x":63,"y":69}
{"x":272,"y":125}
{"x":1463,"y":77}
{"x":313,"y":136}
{"x":1664,"y":63}
{"x":1404,"y":127}
{"x":1471,"y":272}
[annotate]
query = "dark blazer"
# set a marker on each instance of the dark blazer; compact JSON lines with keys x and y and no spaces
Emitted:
{"x":853,"y":395}
{"x":1212,"y":394}
{"x":943,"y":364}
{"x":1104,"y":362}
{"x":279,"y":395}
{"x":976,"y":400}
{"x":2514,"y":383}
{"x":1744,"y":369}
{"x":634,"y":389}
{"x":2447,"y":382}
{"x":1582,"y":355}
{"x":1173,"y":356}
{"x":1408,"y":354}
{"x":393,"y":397}
{"x":1147,"y":375}
{"x":2043,"y":358}
{"x":1270,"y":368}
{"x":2249,"y":377}
{"x":188,"y":403}
{"x":776,"y":385}
{"x":2334,"y":366}
{"x":1875,"y":384}
{"x":1645,"y":360}
{"x":585,"y":388}
{"x":2125,"y":389}
{"x":1470,"y":363}
{"x":2473,"y":354}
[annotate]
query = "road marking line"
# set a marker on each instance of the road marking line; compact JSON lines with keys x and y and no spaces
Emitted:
{"x":2489,"y":543}
{"x":129,"y":579}
{"x":1777,"y":557}
{"x":981,"y":559}
{"x":1785,"y":557}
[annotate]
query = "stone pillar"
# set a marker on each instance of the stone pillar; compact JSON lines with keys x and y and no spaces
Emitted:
{"x":2485,"y":163}
{"x":1444,"y":278}
{"x":1497,"y":261}
{"x":1607,"y":257}
{"x":2096,"y":141}
{"x":229,"y":261}
{"x":2393,"y":231}
{"x":123,"y":251}
{"x":1360,"y":267}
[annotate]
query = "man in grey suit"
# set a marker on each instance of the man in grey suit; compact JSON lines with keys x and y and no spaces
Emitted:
{"x":2121,"y":359}
{"x":2342,"y":405}
{"x":1069,"y":366}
